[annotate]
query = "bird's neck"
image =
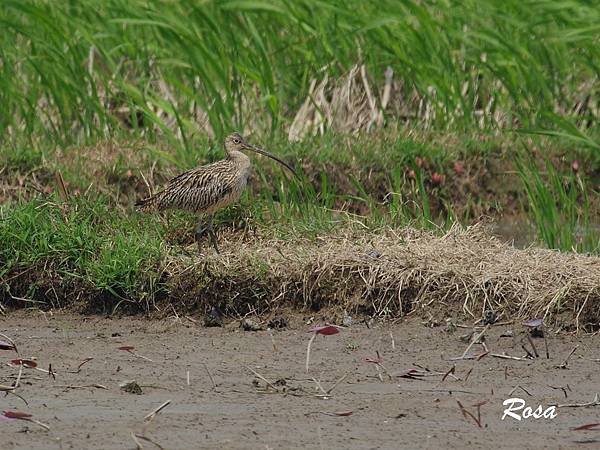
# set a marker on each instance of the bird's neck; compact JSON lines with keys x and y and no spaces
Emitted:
{"x":238,"y":158}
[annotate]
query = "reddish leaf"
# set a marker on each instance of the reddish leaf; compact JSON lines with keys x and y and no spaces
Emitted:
{"x":533,"y":323}
{"x":16,"y":415}
{"x":343,"y":413}
{"x":325,"y":330}
{"x":25,"y":362}
{"x":6,"y":346}
{"x":588,"y":426}
{"x":127,"y":348}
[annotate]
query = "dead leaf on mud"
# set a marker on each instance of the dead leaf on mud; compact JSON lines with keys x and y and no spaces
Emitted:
{"x":587,"y":427}
{"x":6,"y":346}
{"x":30,"y":364}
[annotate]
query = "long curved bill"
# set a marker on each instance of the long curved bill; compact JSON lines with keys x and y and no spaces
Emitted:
{"x":270,"y":155}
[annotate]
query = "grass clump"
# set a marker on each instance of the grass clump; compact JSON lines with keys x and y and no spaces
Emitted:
{"x":83,"y":241}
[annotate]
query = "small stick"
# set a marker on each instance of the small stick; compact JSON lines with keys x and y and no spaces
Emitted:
{"x":468,"y":374}
{"x":595,"y":402}
{"x":529,"y":354}
{"x":518,"y":386}
{"x":85,"y":361}
{"x":450,"y":371}
{"x":10,"y":341}
{"x":312,"y":338}
{"x":337,"y":382}
{"x":393,"y":341}
{"x":152,"y":414}
{"x":319,"y":386}
{"x":546,"y":344}
{"x":212,"y":380}
{"x":474,"y":340}
{"x":149,"y":440}
{"x":504,"y":356}
{"x":188,"y":377}
{"x":565,"y":363}
{"x":466,"y":413}
{"x":533,"y":346}
{"x":262,"y":378}
{"x":273,"y":341}
{"x":137,"y":443}
{"x":83,"y":386}
{"x":562,"y":388}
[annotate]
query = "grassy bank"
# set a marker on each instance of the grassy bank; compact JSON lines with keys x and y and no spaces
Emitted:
{"x":419,"y":114}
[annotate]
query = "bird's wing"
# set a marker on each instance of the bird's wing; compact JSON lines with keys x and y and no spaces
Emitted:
{"x":198,"y":189}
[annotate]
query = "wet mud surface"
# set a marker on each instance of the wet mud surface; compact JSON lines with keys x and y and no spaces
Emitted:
{"x":215,"y":378}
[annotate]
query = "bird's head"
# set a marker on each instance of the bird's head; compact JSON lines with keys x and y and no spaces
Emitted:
{"x":236,"y":143}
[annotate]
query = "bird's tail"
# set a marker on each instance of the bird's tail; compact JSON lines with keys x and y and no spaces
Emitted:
{"x":149,"y":204}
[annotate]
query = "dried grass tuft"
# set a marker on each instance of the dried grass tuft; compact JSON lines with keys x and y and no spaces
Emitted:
{"x":396,"y":273}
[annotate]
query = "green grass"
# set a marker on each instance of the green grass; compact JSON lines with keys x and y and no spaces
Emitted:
{"x":559,"y":207}
{"x":89,"y":69}
{"x":84,"y":240}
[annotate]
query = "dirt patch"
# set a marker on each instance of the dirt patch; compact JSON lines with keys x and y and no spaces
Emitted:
{"x":88,"y":409}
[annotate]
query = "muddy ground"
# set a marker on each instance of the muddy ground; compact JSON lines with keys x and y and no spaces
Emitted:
{"x":242,"y":412}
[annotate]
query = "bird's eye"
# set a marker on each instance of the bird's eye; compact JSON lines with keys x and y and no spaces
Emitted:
{"x":236,"y":141}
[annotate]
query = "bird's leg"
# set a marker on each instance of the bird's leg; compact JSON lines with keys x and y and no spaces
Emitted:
{"x":211,"y":234}
{"x":200,"y":230}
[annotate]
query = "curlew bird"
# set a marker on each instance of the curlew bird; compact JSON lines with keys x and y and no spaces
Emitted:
{"x":207,"y":189}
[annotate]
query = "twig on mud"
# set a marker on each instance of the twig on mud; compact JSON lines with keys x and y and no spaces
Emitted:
{"x":337,"y":383}
{"x":129,"y":349}
{"x":212,"y":380}
{"x":11,"y":342}
{"x":15,"y":385}
{"x":135,"y":436}
{"x":595,"y":402}
{"x":518,"y":386}
{"x":325,"y":330}
{"x":82,"y":386}
{"x":150,"y":416}
{"x":505,"y":356}
{"x":565,"y":363}
{"x":85,"y":361}
{"x":468,"y":374}
{"x":535,"y":352}
{"x":475,"y":339}
{"x":24,"y":416}
{"x":562,"y":388}
{"x":258,"y":375}
{"x":325,"y":395}
{"x":188,"y":377}
{"x":529,"y":354}
{"x":138,"y":444}
{"x":273,"y":341}
{"x":467,"y":413}
{"x":393,"y":341}
{"x":452,"y":370}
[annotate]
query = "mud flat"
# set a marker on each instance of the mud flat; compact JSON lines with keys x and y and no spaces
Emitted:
{"x":236,"y":389}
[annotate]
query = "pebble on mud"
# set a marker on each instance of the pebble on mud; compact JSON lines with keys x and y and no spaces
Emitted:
{"x":214,"y":318}
{"x":131,"y":386}
{"x":250,"y":325}
{"x":278,"y":323}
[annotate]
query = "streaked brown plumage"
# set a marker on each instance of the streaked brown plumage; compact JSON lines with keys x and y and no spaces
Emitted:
{"x":207,"y":189}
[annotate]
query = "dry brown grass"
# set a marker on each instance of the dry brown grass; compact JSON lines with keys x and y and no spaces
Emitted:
{"x":396,"y":273}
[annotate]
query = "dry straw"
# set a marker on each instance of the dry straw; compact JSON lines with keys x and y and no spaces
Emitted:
{"x":398,"y":272}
